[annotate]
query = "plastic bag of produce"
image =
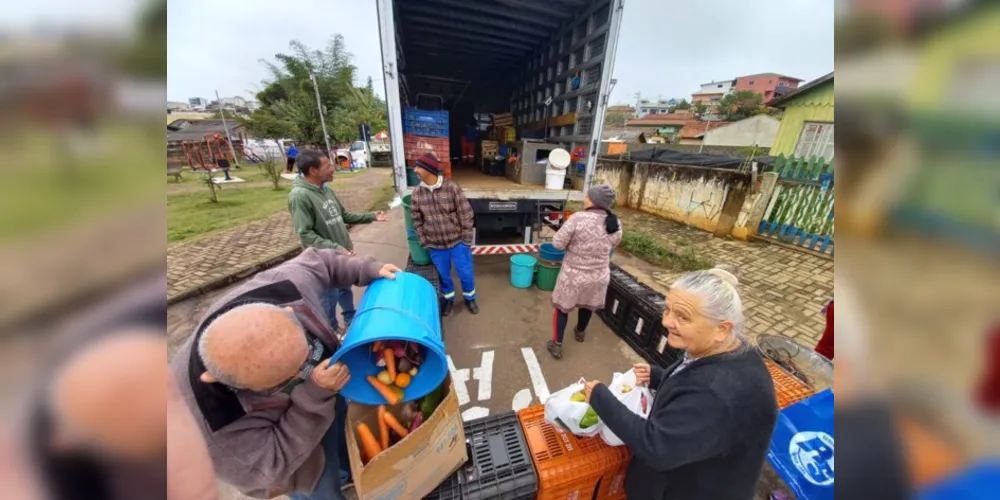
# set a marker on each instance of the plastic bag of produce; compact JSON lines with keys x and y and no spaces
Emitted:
{"x":802,"y":445}
{"x":638,"y":399}
{"x":569,"y":410}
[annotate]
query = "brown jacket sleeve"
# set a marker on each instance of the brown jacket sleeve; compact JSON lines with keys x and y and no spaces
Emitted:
{"x":466,"y":216}
{"x":418,"y":219}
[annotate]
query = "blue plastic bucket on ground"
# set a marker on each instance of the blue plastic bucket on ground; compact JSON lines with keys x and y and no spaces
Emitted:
{"x":402,"y":309}
{"x":522,"y":270}
{"x":548,"y":252}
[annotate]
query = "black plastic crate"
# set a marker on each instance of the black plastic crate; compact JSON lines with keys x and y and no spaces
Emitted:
{"x":616,"y":306}
{"x":428,"y":272}
{"x":640,"y":326}
{"x":659,"y":352}
{"x":499,"y":466}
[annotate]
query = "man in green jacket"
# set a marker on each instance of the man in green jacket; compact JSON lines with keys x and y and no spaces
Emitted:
{"x":321,"y":222}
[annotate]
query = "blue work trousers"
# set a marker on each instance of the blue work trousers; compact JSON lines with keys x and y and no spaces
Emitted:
{"x":461,"y":256}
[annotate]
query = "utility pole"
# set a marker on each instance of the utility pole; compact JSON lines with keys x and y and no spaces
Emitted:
{"x":222,"y":110}
{"x":322,"y":121}
{"x":704,"y":136}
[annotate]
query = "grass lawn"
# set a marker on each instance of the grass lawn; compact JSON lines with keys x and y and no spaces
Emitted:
{"x":190,"y":212}
{"x":43,"y":187}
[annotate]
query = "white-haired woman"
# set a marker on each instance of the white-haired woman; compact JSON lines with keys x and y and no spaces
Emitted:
{"x":711,"y":422}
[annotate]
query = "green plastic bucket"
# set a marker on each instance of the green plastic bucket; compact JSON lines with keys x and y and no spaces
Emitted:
{"x":418,"y":253}
{"x":412,"y":179}
{"x":406,"y":211}
{"x":547,"y":274}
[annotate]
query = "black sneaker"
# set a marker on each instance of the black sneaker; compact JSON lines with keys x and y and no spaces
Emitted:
{"x":446,"y":308}
{"x":473,"y":307}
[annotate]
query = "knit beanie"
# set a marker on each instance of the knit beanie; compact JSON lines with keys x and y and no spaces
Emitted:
{"x":602,"y":196}
{"x":430,"y":163}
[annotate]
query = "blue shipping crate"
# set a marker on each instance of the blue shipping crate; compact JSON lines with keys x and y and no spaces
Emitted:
{"x":439,"y":118}
{"x":979,"y":482}
{"x":801,"y":448}
{"x":425,"y":123}
{"x":425,"y":130}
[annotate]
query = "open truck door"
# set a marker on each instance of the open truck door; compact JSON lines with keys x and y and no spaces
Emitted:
{"x":547,"y":69}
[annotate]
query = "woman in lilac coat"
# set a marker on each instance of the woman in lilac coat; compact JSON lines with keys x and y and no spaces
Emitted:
{"x":588,"y":238}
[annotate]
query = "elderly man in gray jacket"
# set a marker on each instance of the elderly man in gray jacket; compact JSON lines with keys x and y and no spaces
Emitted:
{"x":256,"y":375}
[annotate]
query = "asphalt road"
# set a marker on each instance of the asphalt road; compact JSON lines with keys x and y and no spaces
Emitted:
{"x":498,"y":357}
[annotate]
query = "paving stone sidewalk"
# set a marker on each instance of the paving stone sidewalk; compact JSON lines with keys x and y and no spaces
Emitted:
{"x":225,"y":256}
{"x":783,"y":290}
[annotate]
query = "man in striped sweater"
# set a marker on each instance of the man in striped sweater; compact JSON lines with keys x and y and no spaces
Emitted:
{"x":443,"y":218}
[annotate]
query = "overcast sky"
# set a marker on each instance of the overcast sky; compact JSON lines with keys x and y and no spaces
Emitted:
{"x":667,"y":47}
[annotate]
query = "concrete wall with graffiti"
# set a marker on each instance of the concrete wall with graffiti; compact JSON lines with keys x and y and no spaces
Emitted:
{"x":715,"y":200}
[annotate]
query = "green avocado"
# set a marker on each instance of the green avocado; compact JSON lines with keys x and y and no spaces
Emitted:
{"x":589,"y":419}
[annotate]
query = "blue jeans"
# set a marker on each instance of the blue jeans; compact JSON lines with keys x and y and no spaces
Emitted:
{"x":337,"y":471}
{"x":344,"y":297}
{"x":461,"y":256}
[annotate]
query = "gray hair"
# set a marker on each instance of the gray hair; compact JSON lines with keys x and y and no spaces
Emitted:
{"x":717,"y":288}
{"x":210,"y":366}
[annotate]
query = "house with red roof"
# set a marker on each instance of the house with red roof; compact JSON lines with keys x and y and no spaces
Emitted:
{"x":682,"y":127}
{"x":770,"y":85}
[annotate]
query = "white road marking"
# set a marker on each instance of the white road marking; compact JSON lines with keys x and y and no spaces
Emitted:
{"x":535,"y":371}
{"x":484,"y":374}
{"x":522,"y":400}
{"x":459,"y":378}
{"x":474,"y":413}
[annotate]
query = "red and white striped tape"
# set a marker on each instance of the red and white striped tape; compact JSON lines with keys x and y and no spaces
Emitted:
{"x":503,"y":249}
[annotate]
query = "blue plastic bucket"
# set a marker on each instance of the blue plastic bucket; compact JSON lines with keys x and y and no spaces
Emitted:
{"x":522,"y":270}
{"x":402,"y":309}
{"x":548,"y":252}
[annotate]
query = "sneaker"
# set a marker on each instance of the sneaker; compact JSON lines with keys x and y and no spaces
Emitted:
{"x":579,"y":335}
{"x":473,"y":307}
{"x":446,"y":308}
{"x":554,"y":349}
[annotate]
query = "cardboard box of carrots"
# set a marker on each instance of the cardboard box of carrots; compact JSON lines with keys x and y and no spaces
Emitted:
{"x":404,"y":450}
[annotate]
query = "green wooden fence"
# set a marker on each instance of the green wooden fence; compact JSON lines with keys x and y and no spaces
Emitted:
{"x":800,"y":211}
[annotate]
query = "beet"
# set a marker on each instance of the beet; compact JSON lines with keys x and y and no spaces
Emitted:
{"x":419,"y":419}
{"x":412,"y":354}
{"x":404,"y":365}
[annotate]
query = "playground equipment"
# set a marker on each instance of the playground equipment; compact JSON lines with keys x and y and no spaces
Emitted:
{"x":215,"y":147}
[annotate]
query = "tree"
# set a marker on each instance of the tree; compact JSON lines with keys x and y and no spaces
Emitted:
{"x":362,"y":106}
{"x":700,"y":108}
{"x":147,"y":56}
{"x":288,"y":99}
{"x":683,"y":105}
{"x":740,"y":104}
{"x":615,"y":119}
{"x":209,"y":180}
{"x":272,"y":169}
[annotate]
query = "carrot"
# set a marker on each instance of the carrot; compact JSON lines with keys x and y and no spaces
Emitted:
{"x":383,"y":427}
{"x":387,"y":393}
{"x":377,"y":346}
{"x":369,"y":445}
{"x":391,"y":420}
{"x":390,"y":362}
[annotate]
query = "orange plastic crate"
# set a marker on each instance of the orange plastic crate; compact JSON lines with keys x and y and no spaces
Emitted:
{"x":570,"y":466}
{"x":788,"y":389}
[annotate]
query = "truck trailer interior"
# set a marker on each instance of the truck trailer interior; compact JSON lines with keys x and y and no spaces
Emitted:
{"x":547,"y":64}
{"x":500,"y":56}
